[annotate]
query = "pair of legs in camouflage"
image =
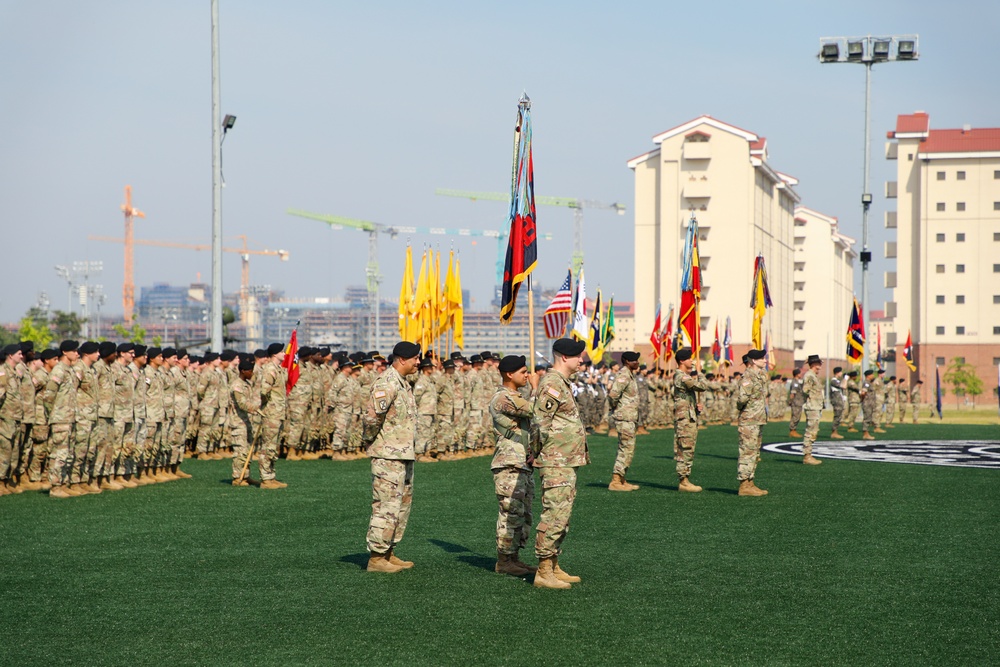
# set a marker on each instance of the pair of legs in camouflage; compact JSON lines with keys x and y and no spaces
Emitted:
{"x":515,"y":490}
{"x":685,"y":439}
{"x":751,"y":438}
{"x":793,"y":421}
{"x":812,"y":430}
{"x":558,"y":494}
{"x":626,"y":447}
{"x":392,"y":495}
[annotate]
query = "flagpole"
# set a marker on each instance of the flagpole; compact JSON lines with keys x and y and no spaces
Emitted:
{"x":531,"y":328}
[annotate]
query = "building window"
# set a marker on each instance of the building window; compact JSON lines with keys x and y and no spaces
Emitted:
{"x":940,"y":206}
{"x":996,"y":268}
{"x":996,"y":298}
{"x":960,"y":298}
{"x":939,"y":238}
{"x":960,"y":206}
{"x":960,"y":175}
{"x":960,"y":268}
{"x":940,"y":175}
{"x":939,"y":331}
{"x":939,"y":298}
{"x":996,"y":206}
{"x":996,"y":331}
{"x":909,"y":156}
{"x":939,"y":361}
{"x":959,"y":331}
{"x":960,"y":360}
{"x":960,"y":237}
{"x":939,"y":268}
{"x":996,"y":235}
{"x":996,"y":174}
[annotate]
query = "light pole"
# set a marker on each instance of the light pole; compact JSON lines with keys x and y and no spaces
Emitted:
{"x":63,"y":272}
{"x":867,"y":51}
{"x":86,"y":269}
{"x":219,"y":129}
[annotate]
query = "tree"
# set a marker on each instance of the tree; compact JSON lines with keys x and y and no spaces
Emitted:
{"x":963,"y":380}
{"x":66,"y":325}
{"x":136,"y":334}
{"x":37,"y":333}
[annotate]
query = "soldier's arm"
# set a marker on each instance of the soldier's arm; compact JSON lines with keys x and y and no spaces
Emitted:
{"x":515,"y":406}
{"x":695,"y":382}
{"x":546,"y":405}
{"x":744,"y":392}
{"x":50,"y":391}
{"x":373,"y":416}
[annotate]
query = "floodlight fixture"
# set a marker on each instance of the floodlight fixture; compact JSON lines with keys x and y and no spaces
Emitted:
{"x":907,"y":49}
{"x":880,"y":50}
{"x":829,"y":52}
{"x":228,"y":122}
{"x":856,"y":50}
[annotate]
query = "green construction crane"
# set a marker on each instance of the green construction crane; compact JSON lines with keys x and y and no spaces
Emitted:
{"x":566,"y":202}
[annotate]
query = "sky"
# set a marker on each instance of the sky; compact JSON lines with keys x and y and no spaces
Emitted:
{"x":363,"y":109}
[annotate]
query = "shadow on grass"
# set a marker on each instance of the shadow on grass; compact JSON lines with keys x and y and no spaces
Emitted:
{"x":731,"y":492}
{"x":467,"y":557}
{"x":361,"y":559}
{"x":450,"y":547}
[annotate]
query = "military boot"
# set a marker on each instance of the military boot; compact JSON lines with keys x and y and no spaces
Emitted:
{"x":93,"y":487}
{"x":748,"y":488}
{"x":180,"y":473}
{"x":618,"y":483}
{"x":562,"y":575}
{"x":687,"y":487}
{"x":241,"y":482}
{"x":852,"y":430}
{"x":81,"y":489}
{"x":59,"y":492}
{"x":506,"y":564}
{"x":836,"y":436}
{"x":794,"y":434}
{"x":292,"y":455}
{"x":399,"y":562}
{"x":272,"y":484}
{"x":879,"y":429}
{"x":867,"y":436}
{"x":613,"y":433}
{"x":546,"y":577}
{"x":810,"y":460}
{"x":110,"y":484}
{"x":642,"y":430}
{"x":381,"y":563}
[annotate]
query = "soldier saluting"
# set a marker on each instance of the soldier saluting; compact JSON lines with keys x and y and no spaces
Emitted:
{"x":686,"y":387}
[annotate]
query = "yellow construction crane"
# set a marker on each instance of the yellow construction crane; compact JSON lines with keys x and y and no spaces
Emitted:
{"x":244,"y":253}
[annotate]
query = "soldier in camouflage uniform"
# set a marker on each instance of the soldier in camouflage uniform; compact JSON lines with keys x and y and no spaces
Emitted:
{"x":85,"y":443}
{"x":881,"y":390}
{"x":33,"y":479}
{"x":513,"y":475}
{"x":837,"y":400}
{"x":623,"y":399}
{"x":796,"y":400}
{"x":904,"y":399}
{"x":390,"y":430}
{"x":853,"y":400}
{"x":185,"y":403}
{"x":812,"y":388}
{"x":340,"y":404}
{"x":645,"y":404}
{"x":425,"y":395}
{"x":915,"y":400}
{"x":686,"y":387}
{"x":891,"y":396}
{"x":28,"y":393}
{"x":123,"y":436}
{"x":242,"y":429}
{"x":869,"y":403}
{"x":11,"y":411}
{"x":59,"y":398}
{"x":444,"y":425}
{"x":751,"y":400}
{"x":298,"y":422}
{"x":272,"y":396}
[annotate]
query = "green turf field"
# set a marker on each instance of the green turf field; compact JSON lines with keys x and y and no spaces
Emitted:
{"x":848,"y":563}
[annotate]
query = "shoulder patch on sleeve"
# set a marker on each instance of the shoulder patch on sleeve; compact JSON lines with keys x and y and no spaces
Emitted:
{"x":378,"y":393}
{"x":552,"y":392}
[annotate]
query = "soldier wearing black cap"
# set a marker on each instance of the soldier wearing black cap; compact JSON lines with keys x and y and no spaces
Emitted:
{"x":28,"y":393}
{"x":425,"y":393}
{"x":59,"y":398}
{"x":881,"y":391}
{"x":751,"y":400}
{"x":914,"y":397}
{"x":869,"y":400}
{"x":891,"y":397}
{"x":123,"y":436}
{"x":812,"y":388}
{"x":688,"y":383}
{"x":562,"y":449}
{"x":446,"y":434}
{"x":853,"y":400}
{"x":243,"y":429}
{"x":837,"y":400}
{"x":273,"y":407}
{"x":623,"y":400}
{"x":185,"y":401}
{"x":11,"y":413}
{"x":210,"y":420}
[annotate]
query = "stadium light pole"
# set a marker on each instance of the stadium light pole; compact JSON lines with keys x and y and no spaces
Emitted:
{"x":867,"y":51}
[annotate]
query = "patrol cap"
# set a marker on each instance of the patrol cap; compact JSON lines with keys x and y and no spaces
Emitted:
{"x":65,"y":346}
{"x":405,"y":350}
{"x":246,"y":366}
{"x":685,"y":354}
{"x":274,"y":348}
{"x":89,"y":347}
{"x":13,"y":348}
{"x":630,"y":356}
{"x":107,"y":348}
{"x":755,"y":354}
{"x":153,"y":352}
{"x":476,"y":359}
{"x":512,"y":363}
{"x":228,"y":355}
{"x":449,"y":364}
{"x":46,"y":354}
{"x":209,"y":357}
{"x":813,"y":359}
{"x":569,"y":347}
{"x":169,"y":352}
{"x":260,"y":354}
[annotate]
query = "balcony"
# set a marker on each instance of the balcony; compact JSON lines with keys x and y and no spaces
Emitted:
{"x":891,"y":150}
{"x":890,"y":250}
{"x":697,"y":150}
{"x":890,"y":220}
{"x":890,"y":309}
{"x":697,"y":188}
{"x":890,"y":279}
{"x":890,"y":189}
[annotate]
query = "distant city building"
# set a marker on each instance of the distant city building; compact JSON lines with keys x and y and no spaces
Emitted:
{"x":719,"y":173}
{"x":946,"y":286}
{"x":824,"y":287}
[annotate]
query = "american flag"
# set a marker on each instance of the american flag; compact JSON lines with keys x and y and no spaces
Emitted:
{"x":557,"y":314}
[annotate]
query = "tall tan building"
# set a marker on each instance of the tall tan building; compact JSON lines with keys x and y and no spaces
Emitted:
{"x":946,"y":286}
{"x":824,"y":287}
{"x":719,"y":173}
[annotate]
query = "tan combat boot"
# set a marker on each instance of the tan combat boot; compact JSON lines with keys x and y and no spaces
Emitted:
{"x":109,"y":484}
{"x":748,"y":488}
{"x":810,"y":460}
{"x":642,"y":430}
{"x":506,"y":564}
{"x":613,"y":433}
{"x":292,"y":455}
{"x":546,"y":576}
{"x":794,"y":434}
{"x":399,"y":562}
{"x":60,"y":492}
{"x":617,"y":483}
{"x":879,"y":429}
{"x":180,"y":473}
{"x":380,"y":563}
{"x":687,"y":487}
{"x":836,"y":436}
{"x":867,"y":436}
{"x":272,"y":484}
{"x":562,"y":575}
{"x":241,"y":482}
{"x":852,"y":430}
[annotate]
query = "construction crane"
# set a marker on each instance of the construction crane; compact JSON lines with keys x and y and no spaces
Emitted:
{"x":375,"y":228}
{"x":244,"y":253}
{"x":566,"y":202}
{"x":128,"y":287}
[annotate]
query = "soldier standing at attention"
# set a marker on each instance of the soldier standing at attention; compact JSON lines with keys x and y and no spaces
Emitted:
{"x":425,"y":396}
{"x":272,"y":398}
{"x":837,"y":400}
{"x":796,"y":399}
{"x":623,"y":399}
{"x":869,"y":401}
{"x":242,"y":433}
{"x":562,"y":448}
{"x":686,"y":386}
{"x":853,"y":400}
{"x":59,"y":399}
{"x":880,"y":400}
{"x":812,"y":387}
{"x":891,"y":395}
{"x":751,"y":401}
{"x":11,"y":411}
{"x":513,"y":476}
{"x":915,"y":400}
{"x":390,"y":430}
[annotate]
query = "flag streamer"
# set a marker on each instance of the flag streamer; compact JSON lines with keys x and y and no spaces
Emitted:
{"x":760,"y":299}
{"x":690,"y":321}
{"x":856,"y":335}
{"x":522,"y":243}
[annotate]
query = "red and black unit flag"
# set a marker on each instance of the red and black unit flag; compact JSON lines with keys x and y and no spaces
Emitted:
{"x":856,"y":335}
{"x":717,"y":345}
{"x":522,"y":244}
{"x":690,"y":321}
{"x":908,"y":354}
{"x":654,"y":338}
{"x":289,"y":363}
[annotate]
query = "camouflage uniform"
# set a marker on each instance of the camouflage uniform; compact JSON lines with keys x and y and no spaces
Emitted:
{"x":11,"y":411}
{"x":183,"y":402}
{"x":28,"y":394}
{"x":209,"y":408}
{"x":623,"y":398}
{"x":299,"y":422}
{"x":796,"y":400}
{"x":104,"y":429}
{"x":751,"y":400}
{"x":242,"y":431}
{"x":85,"y":439}
{"x":891,"y":395}
{"x":425,"y":397}
{"x":156,"y":415}
{"x":869,"y":403}
{"x":837,"y":400}
{"x":340,"y":403}
{"x":853,"y":401}
{"x":915,"y":402}
{"x":812,"y":388}
{"x":513,"y":478}
{"x":390,"y":429}
{"x":60,"y":402}
{"x":561,"y":449}
{"x":444,"y":425}
{"x":40,"y":430}
{"x":686,"y":418}
{"x":123,"y":435}
{"x":272,"y":396}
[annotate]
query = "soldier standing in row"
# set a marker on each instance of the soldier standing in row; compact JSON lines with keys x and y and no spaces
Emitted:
{"x":915,"y":400}
{"x":796,"y":399}
{"x":751,"y":401}
{"x":869,"y":401}
{"x":562,"y":448}
{"x":513,"y":475}
{"x":243,"y":433}
{"x":812,"y":387}
{"x":390,"y":430}
{"x":687,"y":405}
{"x":891,"y":396}
{"x":853,"y":400}
{"x":837,"y":400}
{"x":273,"y":405}
{"x":623,"y":400}
{"x":425,"y":396}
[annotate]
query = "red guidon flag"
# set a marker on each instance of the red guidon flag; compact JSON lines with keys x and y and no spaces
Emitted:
{"x":289,"y":363}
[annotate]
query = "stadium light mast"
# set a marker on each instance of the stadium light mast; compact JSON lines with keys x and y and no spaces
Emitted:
{"x":867,"y":51}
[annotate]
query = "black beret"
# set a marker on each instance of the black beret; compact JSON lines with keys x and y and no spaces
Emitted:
{"x":426,"y":363}
{"x":512,"y":363}
{"x":107,"y":348}
{"x":630,"y":356}
{"x":405,"y":350}
{"x":869,"y":372}
{"x":755,"y":354}
{"x":140,"y":350}
{"x":838,"y":369}
{"x":228,"y":355}
{"x":27,"y":346}
{"x":65,"y":346}
{"x":89,"y":347}
{"x":125,"y":347}
{"x":476,"y":359}
{"x":881,"y":371}
{"x":182,"y":352}
{"x":449,"y":364}
{"x":169,"y":352}
{"x":684,"y":354}
{"x":246,"y":366}
{"x":709,"y":376}
{"x":209,"y":357}
{"x":892,"y":377}
{"x":274,"y":348}
{"x":642,"y":367}
{"x":569,"y":347}
{"x":13,"y":348}
{"x":796,"y":371}
{"x":260,"y":354}
{"x":853,"y":374}
{"x":154,"y":352}
{"x":325,"y":351}
{"x":47,"y":354}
